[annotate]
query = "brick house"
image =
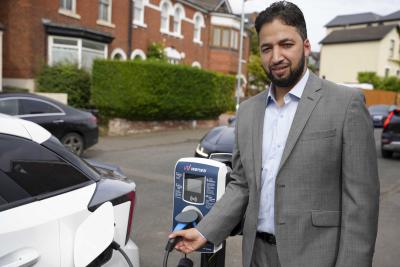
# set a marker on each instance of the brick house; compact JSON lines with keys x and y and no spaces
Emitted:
{"x":200,"y":33}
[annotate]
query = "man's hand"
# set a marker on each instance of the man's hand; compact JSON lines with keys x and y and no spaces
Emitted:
{"x":191,"y":240}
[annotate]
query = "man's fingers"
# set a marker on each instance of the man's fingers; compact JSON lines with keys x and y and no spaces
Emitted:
{"x":181,"y":233}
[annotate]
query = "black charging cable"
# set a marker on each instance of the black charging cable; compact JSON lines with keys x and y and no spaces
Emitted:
{"x":186,"y":220}
{"x":116,"y":246}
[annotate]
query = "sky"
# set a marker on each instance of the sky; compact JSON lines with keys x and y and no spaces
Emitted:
{"x":319,"y":12}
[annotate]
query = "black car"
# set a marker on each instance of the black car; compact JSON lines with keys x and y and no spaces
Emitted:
{"x":390,"y":140}
{"x":76,"y":129}
{"x":379,"y":114}
{"x":218,"y":143}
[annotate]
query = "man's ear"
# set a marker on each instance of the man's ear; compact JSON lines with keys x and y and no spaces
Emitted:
{"x":307,"y":47}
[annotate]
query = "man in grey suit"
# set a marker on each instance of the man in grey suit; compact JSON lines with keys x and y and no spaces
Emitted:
{"x":304,"y":163}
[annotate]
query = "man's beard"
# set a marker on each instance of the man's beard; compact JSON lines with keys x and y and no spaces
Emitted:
{"x":292,"y":79}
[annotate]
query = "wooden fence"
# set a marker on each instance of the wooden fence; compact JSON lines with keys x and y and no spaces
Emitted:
{"x":375,"y":97}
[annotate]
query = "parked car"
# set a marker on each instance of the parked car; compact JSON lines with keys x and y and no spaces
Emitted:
{"x":379,"y":114}
{"x":390,"y":140}
{"x":218,"y":143}
{"x":76,"y":129}
{"x":55,"y":208}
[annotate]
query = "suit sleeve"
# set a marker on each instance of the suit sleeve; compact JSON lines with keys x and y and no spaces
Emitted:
{"x":230,"y":209}
{"x":360,"y":187}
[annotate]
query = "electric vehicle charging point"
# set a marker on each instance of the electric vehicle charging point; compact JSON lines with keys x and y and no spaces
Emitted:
{"x":198,"y":184}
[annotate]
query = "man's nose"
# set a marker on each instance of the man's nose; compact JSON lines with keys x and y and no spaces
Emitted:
{"x":276,"y":55}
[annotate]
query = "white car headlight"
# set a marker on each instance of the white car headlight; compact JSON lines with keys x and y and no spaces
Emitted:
{"x":200,"y":151}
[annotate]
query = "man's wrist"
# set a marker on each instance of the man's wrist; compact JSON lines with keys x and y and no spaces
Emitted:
{"x":200,"y":233}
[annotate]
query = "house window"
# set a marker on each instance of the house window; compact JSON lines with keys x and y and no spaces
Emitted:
{"x":105,"y":10}
{"x":216,"y":37}
{"x":165,"y":17}
{"x":118,"y":54}
{"x":196,"y":64}
{"x":138,"y":11}
{"x":178,"y":15}
{"x":391,"y":49}
{"x":225,"y":37}
{"x":69,"y":5}
{"x":198,"y":23}
{"x":387,"y":72}
{"x":234,"y":39}
{"x":75,"y":51}
{"x":138,"y":54}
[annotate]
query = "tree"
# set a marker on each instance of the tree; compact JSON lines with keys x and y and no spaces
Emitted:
{"x":258,"y":79}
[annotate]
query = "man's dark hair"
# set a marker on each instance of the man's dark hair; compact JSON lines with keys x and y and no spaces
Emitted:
{"x":286,"y":12}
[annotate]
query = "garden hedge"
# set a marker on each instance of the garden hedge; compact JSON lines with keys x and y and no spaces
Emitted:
{"x":66,"y":78}
{"x":151,"y":90}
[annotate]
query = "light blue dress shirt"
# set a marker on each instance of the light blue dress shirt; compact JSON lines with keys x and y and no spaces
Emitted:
{"x":277,"y":123}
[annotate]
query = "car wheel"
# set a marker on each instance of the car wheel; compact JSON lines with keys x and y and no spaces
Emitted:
{"x":74,"y":143}
{"x":387,"y":154}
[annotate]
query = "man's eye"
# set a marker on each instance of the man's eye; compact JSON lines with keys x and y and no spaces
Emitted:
{"x":287,"y":45}
{"x":266,"y":49}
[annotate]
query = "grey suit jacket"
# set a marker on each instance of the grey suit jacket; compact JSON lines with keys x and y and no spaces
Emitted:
{"x":327,"y":187}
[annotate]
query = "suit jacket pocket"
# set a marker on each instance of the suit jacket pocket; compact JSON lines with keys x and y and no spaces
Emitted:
{"x":326,"y":218}
{"x":318,"y":134}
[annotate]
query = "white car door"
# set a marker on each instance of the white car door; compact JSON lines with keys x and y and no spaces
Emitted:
{"x":43,"y":204}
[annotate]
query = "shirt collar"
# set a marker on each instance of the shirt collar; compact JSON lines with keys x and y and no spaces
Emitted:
{"x":295,"y":92}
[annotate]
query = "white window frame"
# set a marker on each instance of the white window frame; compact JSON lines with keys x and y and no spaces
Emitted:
{"x":70,"y":13}
{"x":177,"y":30}
{"x":141,"y":7}
{"x":100,"y":20}
{"x":79,"y":47}
{"x":138,"y":52}
{"x":168,"y":14}
{"x":234,"y":40}
{"x":391,"y":48}
{"x":198,"y":27}
{"x":196,"y":64}
{"x":118,"y":51}
{"x":73,"y":6}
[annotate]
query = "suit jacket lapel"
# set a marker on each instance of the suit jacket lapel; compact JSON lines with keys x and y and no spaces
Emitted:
{"x":257,"y":136}
{"x":307,"y":103}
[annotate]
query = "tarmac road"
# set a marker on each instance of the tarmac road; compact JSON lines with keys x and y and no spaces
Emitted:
{"x":150,"y":159}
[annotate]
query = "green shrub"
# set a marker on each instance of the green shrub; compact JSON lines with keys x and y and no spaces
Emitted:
{"x":369,"y":77}
{"x":66,"y":78}
{"x":151,"y":90}
{"x":390,"y":83}
{"x":155,"y":51}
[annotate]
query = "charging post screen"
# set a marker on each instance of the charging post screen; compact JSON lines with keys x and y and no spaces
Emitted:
{"x":193,"y":188}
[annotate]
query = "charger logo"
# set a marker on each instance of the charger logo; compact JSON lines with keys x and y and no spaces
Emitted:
{"x":193,"y":169}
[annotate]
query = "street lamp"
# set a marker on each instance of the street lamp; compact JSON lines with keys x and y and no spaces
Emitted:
{"x":239,"y":72}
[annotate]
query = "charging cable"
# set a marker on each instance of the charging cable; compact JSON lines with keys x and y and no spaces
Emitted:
{"x":187,"y":219}
{"x":116,"y":246}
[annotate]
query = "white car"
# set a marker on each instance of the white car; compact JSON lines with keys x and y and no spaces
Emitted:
{"x":57,"y":210}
